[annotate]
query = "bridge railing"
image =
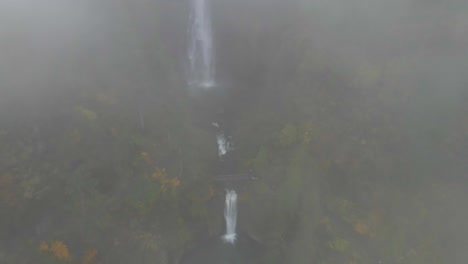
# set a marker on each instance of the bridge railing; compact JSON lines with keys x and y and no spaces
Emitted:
{"x":235,"y":177}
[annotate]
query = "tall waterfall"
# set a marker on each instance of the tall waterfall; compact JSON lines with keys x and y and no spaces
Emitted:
{"x":230,"y":215}
{"x":201,"y":74}
{"x":201,"y":68}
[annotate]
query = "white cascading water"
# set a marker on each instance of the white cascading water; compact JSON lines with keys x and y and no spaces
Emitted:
{"x":201,"y":74}
{"x":230,"y":215}
{"x":230,"y":207}
{"x":222,"y":144}
{"x":201,"y":68}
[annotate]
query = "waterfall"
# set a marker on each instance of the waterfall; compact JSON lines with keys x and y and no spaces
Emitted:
{"x":201,"y":62}
{"x":224,"y":145}
{"x":201,"y":74}
{"x":230,"y":208}
{"x":230,"y":215}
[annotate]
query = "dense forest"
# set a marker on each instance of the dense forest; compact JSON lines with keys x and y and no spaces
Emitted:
{"x":352,"y":116}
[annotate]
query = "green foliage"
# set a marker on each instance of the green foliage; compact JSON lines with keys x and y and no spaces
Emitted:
{"x":292,"y":186}
{"x":340,"y":245}
{"x":260,"y":162}
{"x":87,"y":113}
{"x":288,"y":136}
{"x":184,"y":235}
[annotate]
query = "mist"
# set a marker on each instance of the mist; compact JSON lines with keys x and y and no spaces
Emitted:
{"x":347,"y":121}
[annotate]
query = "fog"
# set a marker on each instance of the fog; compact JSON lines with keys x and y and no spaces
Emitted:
{"x":68,"y":37}
{"x":374,"y":92}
